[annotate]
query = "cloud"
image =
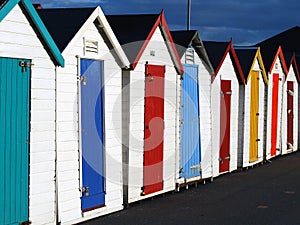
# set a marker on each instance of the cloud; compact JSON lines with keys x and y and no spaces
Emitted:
{"x":245,"y":21}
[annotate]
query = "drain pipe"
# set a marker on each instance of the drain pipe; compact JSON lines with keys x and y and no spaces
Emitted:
{"x":56,"y":155}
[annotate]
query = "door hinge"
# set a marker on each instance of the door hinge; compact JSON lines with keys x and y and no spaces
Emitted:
{"x":83,"y":80}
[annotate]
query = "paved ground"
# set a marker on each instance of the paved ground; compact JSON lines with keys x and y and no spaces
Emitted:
{"x":263,"y":195}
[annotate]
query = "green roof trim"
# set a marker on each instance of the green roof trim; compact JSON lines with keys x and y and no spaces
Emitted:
{"x":39,"y":25}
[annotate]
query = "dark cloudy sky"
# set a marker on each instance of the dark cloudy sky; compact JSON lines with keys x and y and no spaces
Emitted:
{"x":246,"y":21}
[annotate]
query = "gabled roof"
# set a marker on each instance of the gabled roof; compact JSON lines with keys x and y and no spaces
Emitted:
{"x":289,"y":40}
{"x":217,"y":52}
{"x":293,"y":63}
{"x":64,"y":23}
{"x":270,"y":55}
{"x":247,"y":58}
{"x":135,"y":31}
{"x":187,"y":38}
{"x":7,"y":5}
{"x":67,"y":24}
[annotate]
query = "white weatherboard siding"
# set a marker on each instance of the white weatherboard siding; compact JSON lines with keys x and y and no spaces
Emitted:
{"x":19,"y":40}
{"x":279,"y":71}
{"x":291,"y":77}
{"x":68,"y":130}
{"x":136,"y":119}
{"x":246,"y":137}
{"x":226,"y":72}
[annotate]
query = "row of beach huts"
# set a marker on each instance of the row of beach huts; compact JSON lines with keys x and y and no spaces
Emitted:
{"x":100,"y":111}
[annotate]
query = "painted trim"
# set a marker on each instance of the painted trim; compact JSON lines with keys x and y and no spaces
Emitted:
{"x":8,"y":6}
{"x":161,"y":22}
{"x":261,"y":65}
{"x":293,"y":64}
{"x":279,"y":54}
{"x":38,"y":24}
{"x":99,"y":15}
{"x":44,"y":32}
{"x":231,"y":51}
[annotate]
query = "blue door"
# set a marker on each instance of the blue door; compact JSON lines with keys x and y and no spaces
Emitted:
{"x":190,"y":125}
{"x":92,"y":126}
{"x":14,"y":140}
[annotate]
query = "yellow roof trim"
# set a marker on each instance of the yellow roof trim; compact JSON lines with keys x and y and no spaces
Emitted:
{"x":261,"y":64}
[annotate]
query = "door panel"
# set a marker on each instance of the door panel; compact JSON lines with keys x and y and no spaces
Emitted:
{"x":290,"y":114}
{"x":190,"y":126}
{"x":154,"y":128}
{"x":92,"y":126}
{"x":274,"y":123}
{"x":254,"y":115}
{"x":14,"y":140}
{"x":225,"y":116}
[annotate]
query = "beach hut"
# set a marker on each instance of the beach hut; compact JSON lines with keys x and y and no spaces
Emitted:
{"x":195,"y":106}
{"x":89,"y":99}
{"x":226,"y":83}
{"x":253,"y":102}
{"x":288,"y":41}
{"x":275,"y":65}
{"x":150,"y":104}
{"x":28,"y":60}
{"x":289,"y":122}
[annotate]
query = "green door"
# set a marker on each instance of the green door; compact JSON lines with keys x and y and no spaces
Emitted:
{"x":14,"y":139}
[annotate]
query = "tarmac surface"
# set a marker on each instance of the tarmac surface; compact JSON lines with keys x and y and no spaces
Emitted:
{"x":267,"y":194}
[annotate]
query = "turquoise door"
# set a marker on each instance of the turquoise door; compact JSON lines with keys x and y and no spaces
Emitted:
{"x":92,"y":126}
{"x":14,"y":139}
{"x":190,"y":124}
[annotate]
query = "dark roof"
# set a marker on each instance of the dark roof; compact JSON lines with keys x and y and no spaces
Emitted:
{"x":64,"y":23}
{"x":246,"y":58}
{"x":183,"y":39}
{"x":132,"y":31}
{"x":2,"y":3}
{"x":186,"y":38}
{"x":289,"y":40}
{"x":215,"y":52}
{"x":288,"y":58}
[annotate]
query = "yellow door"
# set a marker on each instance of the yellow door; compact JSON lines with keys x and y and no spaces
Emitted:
{"x":254,"y":115}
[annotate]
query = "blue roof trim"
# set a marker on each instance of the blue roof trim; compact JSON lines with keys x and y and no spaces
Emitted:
{"x":44,"y":32}
{"x":8,"y":6}
{"x":39,"y":25}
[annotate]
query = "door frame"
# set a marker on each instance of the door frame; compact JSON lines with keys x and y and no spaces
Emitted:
{"x":289,"y":117}
{"x":28,"y":135}
{"x":80,"y":180}
{"x":198,"y":121}
{"x":222,"y":137}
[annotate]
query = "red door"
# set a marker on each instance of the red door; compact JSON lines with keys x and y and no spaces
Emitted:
{"x":274,"y":124}
{"x":225,"y":126}
{"x":154,"y":129}
{"x":290,"y":114}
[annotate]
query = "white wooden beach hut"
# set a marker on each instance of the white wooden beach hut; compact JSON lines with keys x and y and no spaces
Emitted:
{"x":88,"y":113}
{"x":276,"y":68}
{"x":28,"y":61}
{"x":195,"y":118}
{"x":226,"y":83}
{"x":150,"y":104}
{"x":289,"y":122}
{"x":253,"y":103}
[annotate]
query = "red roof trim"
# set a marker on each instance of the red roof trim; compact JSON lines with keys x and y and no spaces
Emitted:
{"x":279,"y":54}
{"x":161,"y":21}
{"x":230,"y":50}
{"x":293,"y":64}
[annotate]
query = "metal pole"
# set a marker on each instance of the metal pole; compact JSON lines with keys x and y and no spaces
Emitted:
{"x":189,"y":15}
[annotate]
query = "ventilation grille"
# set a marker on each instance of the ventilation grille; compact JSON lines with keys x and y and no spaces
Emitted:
{"x":90,"y":46}
{"x":190,"y":56}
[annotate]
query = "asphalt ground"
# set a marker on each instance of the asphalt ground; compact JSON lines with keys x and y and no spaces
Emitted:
{"x":267,"y":194}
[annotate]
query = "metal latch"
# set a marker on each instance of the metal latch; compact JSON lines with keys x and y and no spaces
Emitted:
{"x":25,"y":65}
{"x":290,"y":92}
{"x":227,"y":157}
{"x":85,"y":191}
